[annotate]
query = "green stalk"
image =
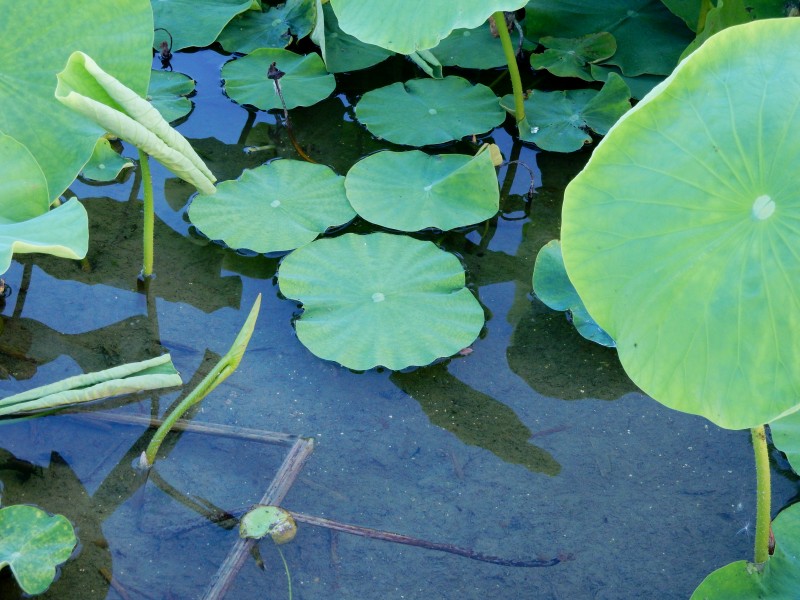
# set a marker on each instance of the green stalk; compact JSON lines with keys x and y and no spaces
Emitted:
{"x":286,"y":568}
{"x":149,"y":214}
{"x":513,"y":69}
{"x":762,"y":494}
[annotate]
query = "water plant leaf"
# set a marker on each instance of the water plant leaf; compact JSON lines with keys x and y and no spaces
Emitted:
{"x":404,"y":26}
{"x":197,"y":23}
{"x":151,"y":374}
{"x":639,"y":85}
{"x":473,"y":48}
{"x":32,"y":544}
{"x":678,"y":232}
{"x":725,"y":14}
{"x":404,"y":305}
{"x":429,"y":111}
{"x":553,"y":287}
{"x":273,"y":208}
{"x":688,"y":10}
{"x":780,"y":577}
{"x":560,"y":121}
{"x":271,"y":28}
{"x":121,"y":38}
{"x":305,"y":82}
{"x":412,"y":190}
{"x":167,"y":93}
{"x":89,"y":90}
{"x":272,"y":521}
{"x":570,"y":57}
{"x":105,"y":164}
{"x":786,"y":437}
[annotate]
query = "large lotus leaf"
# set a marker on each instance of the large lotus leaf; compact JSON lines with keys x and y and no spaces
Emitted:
{"x":405,"y":303}
{"x":197,"y":22}
{"x":649,"y":37}
{"x":679,"y":233}
{"x":429,"y":111}
{"x":167,"y":93}
{"x":560,"y":121}
{"x":33,"y":543}
{"x":412,"y":190}
{"x":780,"y":577}
{"x":406,"y":26}
{"x":106,"y":163}
{"x":473,"y":48}
{"x":272,"y":28}
{"x":23,"y":186}
{"x":786,"y":437}
{"x":275,"y":207}
{"x":37,"y":39}
{"x":571,"y":57}
{"x":305,"y":82}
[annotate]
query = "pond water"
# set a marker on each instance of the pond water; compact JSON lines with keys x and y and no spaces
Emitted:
{"x":532,"y":446}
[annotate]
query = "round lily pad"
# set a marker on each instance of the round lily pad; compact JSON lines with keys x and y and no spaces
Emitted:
{"x":305,"y":82}
{"x":405,"y":303}
{"x":570,"y":57}
{"x":412,"y":190}
{"x":196,"y":22}
{"x":268,"y":520}
{"x":105,"y":163}
{"x":275,"y":207}
{"x":168,"y":91}
{"x":429,"y":111}
{"x":680,"y":233}
{"x":473,"y":48}
{"x":270,"y":28}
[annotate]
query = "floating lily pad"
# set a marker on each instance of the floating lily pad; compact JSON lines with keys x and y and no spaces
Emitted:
{"x":275,"y":207}
{"x":429,"y":111}
{"x":412,"y":190}
{"x":786,"y":437}
{"x":679,"y":233}
{"x":168,"y":91}
{"x":197,"y":22}
{"x":553,"y":287}
{"x":305,"y":82}
{"x":272,"y":521}
{"x":560,"y":121}
{"x":105,"y":163}
{"x":33,"y":543}
{"x":404,"y":305}
{"x":570,"y":57}
{"x":639,"y":85}
{"x":407,"y":27}
{"x":272,"y":28}
{"x":473,"y":48}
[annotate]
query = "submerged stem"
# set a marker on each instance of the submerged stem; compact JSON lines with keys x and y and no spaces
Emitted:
{"x":149,"y":214}
{"x":513,"y":69}
{"x":286,"y":568}
{"x":762,"y":494}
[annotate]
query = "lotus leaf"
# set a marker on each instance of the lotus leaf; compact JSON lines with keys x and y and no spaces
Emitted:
{"x":268,"y":520}
{"x":272,"y":28}
{"x":688,"y":10}
{"x":105,"y":164}
{"x":571,"y":57}
{"x":786,"y":437}
{"x":412,"y":190}
{"x":552,"y":286}
{"x":273,"y":208}
{"x":426,"y":61}
{"x":780,"y":577}
{"x":473,"y":49}
{"x":305,"y":82}
{"x":429,"y":111}
{"x":725,"y":14}
{"x":649,"y":37}
{"x":197,"y":22}
{"x":33,"y":543}
{"x":406,"y":26}
{"x":639,"y":85}
{"x":559,"y":121}
{"x":167,"y":93}
{"x":404,"y":305}
{"x":679,"y":233}
{"x":37,"y":39}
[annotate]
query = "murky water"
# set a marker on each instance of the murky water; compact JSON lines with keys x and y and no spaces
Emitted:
{"x":535,"y":445}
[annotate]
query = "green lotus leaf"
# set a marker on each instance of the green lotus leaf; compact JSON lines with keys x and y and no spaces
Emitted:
{"x":725,"y":14}
{"x":639,"y":85}
{"x":88,"y":90}
{"x":412,"y":190}
{"x":197,"y":22}
{"x":272,"y":28}
{"x":688,"y":10}
{"x":560,"y":121}
{"x":473,"y":48}
{"x":268,"y":520}
{"x":404,"y":305}
{"x":23,"y":186}
{"x":305,"y":82}
{"x":273,"y":208}
{"x":780,"y":577}
{"x":406,"y":26}
{"x":571,"y":57}
{"x":32,"y":544}
{"x":167,"y":93}
{"x":786,"y":437}
{"x":341,"y":51}
{"x":553,"y":287}
{"x":426,"y":61}
{"x":649,"y":37}
{"x":429,"y":111}
{"x":105,"y":164}
{"x":119,"y":35}
{"x":679,"y":233}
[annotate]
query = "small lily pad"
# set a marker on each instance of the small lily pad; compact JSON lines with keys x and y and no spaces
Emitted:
{"x":473,"y":48}
{"x":405,"y":303}
{"x":33,"y":543}
{"x":570,"y":57}
{"x":105,"y":163}
{"x":553,"y":287}
{"x":197,"y":23}
{"x":272,"y":28}
{"x":560,"y":121}
{"x":305,"y":82}
{"x":786,"y":437}
{"x":271,"y":521}
{"x":429,"y":111}
{"x":168,"y":91}
{"x":412,"y":190}
{"x":273,"y":208}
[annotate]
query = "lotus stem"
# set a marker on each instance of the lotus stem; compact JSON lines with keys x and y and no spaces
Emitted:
{"x":149,"y":214}
{"x":286,"y":568}
{"x":513,"y":69}
{"x":762,"y":494}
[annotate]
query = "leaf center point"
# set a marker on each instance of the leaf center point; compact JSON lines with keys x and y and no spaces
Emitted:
{"x":763,"y":207}
{"x":378,"y":297}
